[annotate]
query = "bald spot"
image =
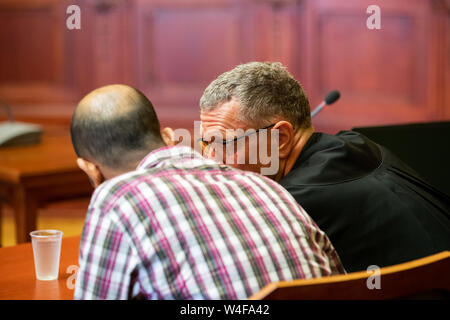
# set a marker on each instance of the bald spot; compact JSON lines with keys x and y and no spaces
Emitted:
{"x":108,"y":102}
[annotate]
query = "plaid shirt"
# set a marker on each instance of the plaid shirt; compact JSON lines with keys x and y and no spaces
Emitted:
{"x":184,"y":227}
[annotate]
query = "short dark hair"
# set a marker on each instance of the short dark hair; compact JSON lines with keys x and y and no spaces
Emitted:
{"x":264,"y":90}
{"x":108,"y":136}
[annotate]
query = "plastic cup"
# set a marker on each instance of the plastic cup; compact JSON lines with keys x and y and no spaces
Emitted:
{"x":46,"y":251}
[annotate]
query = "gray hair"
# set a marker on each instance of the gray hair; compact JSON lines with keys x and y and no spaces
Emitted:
{"x":264,"y":91}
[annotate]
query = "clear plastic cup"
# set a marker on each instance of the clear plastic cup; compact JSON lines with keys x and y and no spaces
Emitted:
{"x":46,"y":250}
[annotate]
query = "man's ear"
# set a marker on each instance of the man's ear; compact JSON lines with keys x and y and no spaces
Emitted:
{"x":168,"y":136}
{"x":92,"y":171}
{"x":286,"y":135}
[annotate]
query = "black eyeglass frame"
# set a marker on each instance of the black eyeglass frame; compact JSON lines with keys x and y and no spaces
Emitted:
{"x":224,"y":142}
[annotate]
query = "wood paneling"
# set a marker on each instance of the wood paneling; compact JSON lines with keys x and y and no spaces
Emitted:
{"x":184,"y":45}
{"x":109,"y":42}
{"x":383,"y":75}
{"x":446,"y":67}
{"x":171,"y":50}
{"x":36,"y":60}
{"x":46,"y":68}
{"x":442,"y":46}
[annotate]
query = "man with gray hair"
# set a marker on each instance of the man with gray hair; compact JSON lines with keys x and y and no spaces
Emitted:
{"x":375,"y":209}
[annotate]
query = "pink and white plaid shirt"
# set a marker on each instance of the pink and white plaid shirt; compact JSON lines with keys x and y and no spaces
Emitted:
{"x":184,"y":227}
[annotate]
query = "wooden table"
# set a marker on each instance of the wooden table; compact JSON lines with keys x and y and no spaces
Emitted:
{"x":32,"y":175}
{"x":18,"y":278}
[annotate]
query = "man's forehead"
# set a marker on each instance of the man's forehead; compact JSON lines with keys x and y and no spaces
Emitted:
{"x":224,"y":116}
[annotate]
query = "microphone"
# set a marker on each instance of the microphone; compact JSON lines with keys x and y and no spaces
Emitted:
{"x":331,"y":98}
{"x":13,"y":133}
{"x":7,"y":110}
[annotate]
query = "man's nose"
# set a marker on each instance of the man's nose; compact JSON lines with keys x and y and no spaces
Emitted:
{"x":209,"y":152}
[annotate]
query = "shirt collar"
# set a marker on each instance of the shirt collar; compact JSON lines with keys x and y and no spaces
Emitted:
{"x":168,"y":152}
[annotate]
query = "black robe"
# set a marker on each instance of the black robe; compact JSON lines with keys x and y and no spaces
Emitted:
{"x":374,"y":208}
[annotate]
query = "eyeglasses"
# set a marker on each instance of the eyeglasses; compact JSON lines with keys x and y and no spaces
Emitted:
{"x":204,"y":143}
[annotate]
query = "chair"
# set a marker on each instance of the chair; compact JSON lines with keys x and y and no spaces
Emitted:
{"x":426,"y":278}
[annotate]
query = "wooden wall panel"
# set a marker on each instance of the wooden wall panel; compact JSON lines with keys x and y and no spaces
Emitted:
{"x":446,"y":64}
{"x":108,"y":42}
{"x":46,"y":68}
{"x":184,"y":45}
{"x":383,"y":75}
{"x":28,"y":59}
{"x":36,"y":60}
{"x":171,"y":50}
{"x":290,"y":37}
{"x":443,"y":64}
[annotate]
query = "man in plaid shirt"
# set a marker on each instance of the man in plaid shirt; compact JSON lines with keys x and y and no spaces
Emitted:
{"x":166,"y":223}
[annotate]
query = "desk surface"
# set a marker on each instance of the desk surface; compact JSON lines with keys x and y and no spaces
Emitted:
{"x":18,"y":278}
{"x":33,"y":175}
{"x":54,"y":154}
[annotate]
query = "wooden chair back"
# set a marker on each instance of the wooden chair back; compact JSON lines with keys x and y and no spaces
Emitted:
{"x":426,"y":278}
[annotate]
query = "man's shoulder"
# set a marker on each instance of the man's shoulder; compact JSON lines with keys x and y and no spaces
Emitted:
{"x":112,"y":189}
{"x":182,"y":174}
{"x":334,"y":159}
